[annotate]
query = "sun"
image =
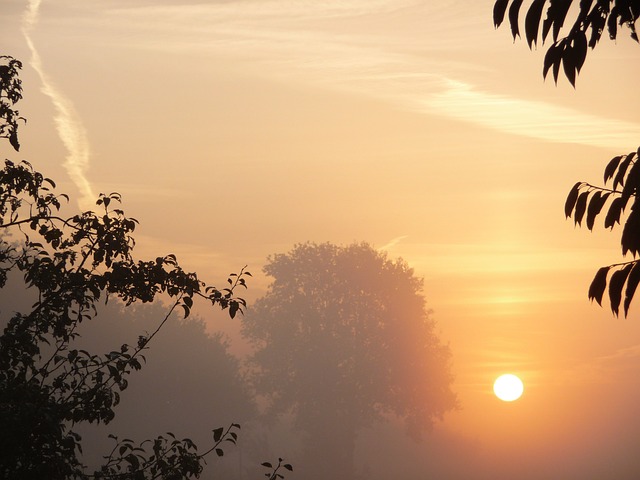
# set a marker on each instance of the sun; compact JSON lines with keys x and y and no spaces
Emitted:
{"x":508,"y":387}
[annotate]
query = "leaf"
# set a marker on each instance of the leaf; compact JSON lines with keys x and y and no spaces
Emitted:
{"x":217,"y":434}
{"x":532,"y":21}
{"x":595,"y":207}
{"x":622,"y":170}
{"x":266,"y":464}
{"x":632,"y":182}
{"x":561,"y":7}
{"x":598,"y":285}
{"x":571,"y":199}
{"x":514,"y":11}
{"x":219,"y":452}
{"x":613,"y":215}
{"x":499,"y":9}
{"x":631,"y":232}
{"x":615,"y":287}
{"x":559,"y":51}
{"x":579,"y":50}
{"x":581,"y":206}
{"x":13,"y":139}
{"x":632,"y":284}
{"x":569,"y":64}
{"x":612,"y":23}
{"x":611,"y":168}
{"x":552,"y":58}
{"x":548,"y":21}
{"x":233,"y":309}
{"x":288,"y":467}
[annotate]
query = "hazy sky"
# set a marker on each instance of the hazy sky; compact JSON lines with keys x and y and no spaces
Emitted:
{"x":236,"y":128}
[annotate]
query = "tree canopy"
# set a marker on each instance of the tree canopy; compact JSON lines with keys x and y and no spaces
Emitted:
{"x":569,"y":48}
{"x":343,"y":338}
{"x":49,"y":384}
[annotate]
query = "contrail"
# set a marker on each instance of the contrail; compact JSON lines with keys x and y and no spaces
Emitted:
{"x":392,"y":243}
{"x":67,"y":121}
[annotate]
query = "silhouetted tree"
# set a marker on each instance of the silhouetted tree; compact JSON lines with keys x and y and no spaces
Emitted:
{"x":342,"y":338}
{"x":569,"y":48}
{"x":48,"y":386}
{"x":586,"y":201}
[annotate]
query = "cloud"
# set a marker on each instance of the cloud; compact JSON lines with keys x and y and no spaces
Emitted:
{"x":68,"y":123}
{"x":392,"y":243}
{"x":335,"y":45}
{"x":529,"y":118}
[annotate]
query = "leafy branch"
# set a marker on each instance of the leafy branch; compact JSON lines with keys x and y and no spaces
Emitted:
{"x":623,"y":171}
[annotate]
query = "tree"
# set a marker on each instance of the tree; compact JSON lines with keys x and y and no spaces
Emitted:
{"x":586,"y":202}
{"x":569,"y":49}
{"x":47,"y":385}
{"x":342,"y":338}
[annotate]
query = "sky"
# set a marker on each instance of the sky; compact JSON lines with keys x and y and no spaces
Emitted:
{"x":235,"y":129}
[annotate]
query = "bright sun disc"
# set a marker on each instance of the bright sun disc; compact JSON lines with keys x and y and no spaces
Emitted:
{"x":508,"y":387}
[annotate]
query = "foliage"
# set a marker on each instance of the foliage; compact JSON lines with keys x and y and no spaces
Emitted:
{"x":569,"y":49}
{"x":585,"y":202}
{"x":341,"y":339}
{"x":46,"y":385}
{"x":273,"y":474}
{"x":10,"y":93}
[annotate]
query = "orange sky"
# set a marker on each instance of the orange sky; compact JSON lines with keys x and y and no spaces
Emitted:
{"x":235,"y":129}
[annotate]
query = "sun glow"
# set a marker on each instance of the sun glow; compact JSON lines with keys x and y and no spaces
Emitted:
{"x":508,"y":387}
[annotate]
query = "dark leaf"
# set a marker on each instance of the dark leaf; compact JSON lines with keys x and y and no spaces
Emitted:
{"x":288,"y":467}
{"x":615,"y":287}
{"x":581,"y":207}
{"x":532,"y":21}
{"x":631,"y":232}
{"x":558,"y":61}
{"x":598,"y":285}
{"x":571,"y":199}
{"x":622,"y":170}
{"x":569,"y":64}
{"x":579,"y":50}
{"x":499,"y":9}
{"x":611,"y":168}
{"x":217,"y":434}
{"x":552,"y":58}
{"x":612,"y":23}
{"x":514,"y":11}
{"x":632,"y":284}
{"x":595,"y":207}
{"x":13,"y":140}
{"x":266,"y":464}
{"x":613,"y":215}
{"x":561,"y":7}
{"x":632,"y":182}
{"x":219,"y":452}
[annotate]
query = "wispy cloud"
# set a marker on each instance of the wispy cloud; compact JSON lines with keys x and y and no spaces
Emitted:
{"x":326,"y":44}
{"x":392,"y":243}
{"x":68,"y":123}
{"x":530,"y":118}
